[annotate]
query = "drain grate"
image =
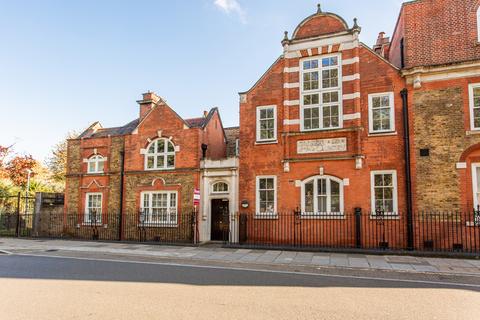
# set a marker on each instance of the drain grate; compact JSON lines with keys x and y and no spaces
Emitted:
{"x":51,"y":250}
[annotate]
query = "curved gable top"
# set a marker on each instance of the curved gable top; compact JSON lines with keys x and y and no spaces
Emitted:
{"x":318,"y":24}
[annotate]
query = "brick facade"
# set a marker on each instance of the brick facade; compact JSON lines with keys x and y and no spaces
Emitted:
{"x":364,"y":73}
{"x":157,"y":121}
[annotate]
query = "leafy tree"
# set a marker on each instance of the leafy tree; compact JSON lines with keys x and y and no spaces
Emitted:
{"x":57,"y":162}
{"x":4,"y":152}
{"x":16,"y":169}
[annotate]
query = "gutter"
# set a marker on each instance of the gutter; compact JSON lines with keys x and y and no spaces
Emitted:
{"x":408,"y":173}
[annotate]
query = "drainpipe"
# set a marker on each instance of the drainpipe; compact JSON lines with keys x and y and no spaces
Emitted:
{"x":122,"y":173}
{"x":408,"y":173}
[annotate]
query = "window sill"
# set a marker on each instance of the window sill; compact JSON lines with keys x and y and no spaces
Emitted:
{"x":391,"y":216}
{"x":157,"y":225}
{"x":472,"y":224}
{"x":333,"y":216}
{"x":89,"y":224}
{"x":319,"y":130}
{"x":259,"y":143}
{"x":96,"y":173}
{"x":162,"y":169}
{"x":260,"y":216}
{"x":382,"y":134}
{"x":473,"y":132}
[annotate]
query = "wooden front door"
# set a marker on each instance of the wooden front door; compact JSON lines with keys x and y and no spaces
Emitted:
{"x":220,"y":219}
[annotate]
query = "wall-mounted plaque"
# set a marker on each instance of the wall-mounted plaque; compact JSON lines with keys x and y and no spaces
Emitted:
{"x":322,"y":145}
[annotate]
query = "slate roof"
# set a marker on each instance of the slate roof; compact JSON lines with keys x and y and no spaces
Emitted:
{"x":231,"y":134}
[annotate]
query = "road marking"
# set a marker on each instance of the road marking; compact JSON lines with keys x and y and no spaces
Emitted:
{"x":5,"y":252}
{"x":259,"y":270}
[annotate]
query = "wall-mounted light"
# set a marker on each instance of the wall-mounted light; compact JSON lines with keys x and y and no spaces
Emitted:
{"x":245,"y":204}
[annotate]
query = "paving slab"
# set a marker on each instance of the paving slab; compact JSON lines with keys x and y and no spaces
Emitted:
{"x":358,"y":262}
{"x":321,"y":260}
{"x":402,"y":266}
{"x":339,"y":260}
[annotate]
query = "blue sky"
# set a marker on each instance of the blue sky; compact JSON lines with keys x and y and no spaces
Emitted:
{"x":66,"y":64}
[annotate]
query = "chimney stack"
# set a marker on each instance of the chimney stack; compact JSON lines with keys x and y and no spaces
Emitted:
{"x":382,"y":47}
{"x":150,"y":99}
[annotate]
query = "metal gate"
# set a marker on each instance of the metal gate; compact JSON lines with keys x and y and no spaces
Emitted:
{"x":16,"y":215}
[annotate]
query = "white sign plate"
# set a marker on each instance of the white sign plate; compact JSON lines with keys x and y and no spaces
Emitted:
{"x":322,"y":145}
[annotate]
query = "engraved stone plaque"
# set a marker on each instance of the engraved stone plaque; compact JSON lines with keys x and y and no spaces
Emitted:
{"x":322,"y":145}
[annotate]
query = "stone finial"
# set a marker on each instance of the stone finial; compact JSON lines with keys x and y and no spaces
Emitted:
{"x":355,"y":23}
{"x":285,"y":38}
{"x":319,"y":8}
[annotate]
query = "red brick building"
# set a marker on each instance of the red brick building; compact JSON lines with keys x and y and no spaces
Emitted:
{"x":321,"y":130}
{"x":147,"y":169}
{"x":436,"y":43}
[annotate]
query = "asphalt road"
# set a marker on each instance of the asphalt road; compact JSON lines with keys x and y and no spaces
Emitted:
{"x":34,"y":287}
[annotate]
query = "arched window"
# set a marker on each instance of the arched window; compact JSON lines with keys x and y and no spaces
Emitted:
{"x":160,"y":155}
{"x":322,"y":195}
{"x":220,"y":187}
{"x":96,"y":164}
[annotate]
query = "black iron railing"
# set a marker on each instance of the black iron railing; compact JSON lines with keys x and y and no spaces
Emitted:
{"x":441,"y":232}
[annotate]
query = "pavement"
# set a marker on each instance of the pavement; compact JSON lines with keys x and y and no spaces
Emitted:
{"x":249,"y":257}
{"x":97,"y":280}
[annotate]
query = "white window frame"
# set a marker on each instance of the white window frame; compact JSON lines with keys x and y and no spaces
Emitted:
{"x":315,"y":195}
{"x":164,"y":154}
{"x":148,"y":216}
{"x":474,"y":184}
{"x":478,"y":24}
{"x":391,"y":97}
{"x":257,"y":196}
{"x":95,"y":160}
{"x":86,"y":218}
{"x":320,"y":92}
{"x":472,"y":105}
{"x":258,"y":132}
{"x":395,"y":191}
{"x":220,"y":192}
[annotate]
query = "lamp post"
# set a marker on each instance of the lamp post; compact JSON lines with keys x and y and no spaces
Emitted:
{"x":29,"y":172}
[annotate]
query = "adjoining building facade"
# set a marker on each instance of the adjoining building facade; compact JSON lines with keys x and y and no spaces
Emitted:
{"x":147,"y":171}
{"x":436,"y":44}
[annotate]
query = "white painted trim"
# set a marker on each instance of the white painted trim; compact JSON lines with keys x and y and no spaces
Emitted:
{"x":309,"y":51}
{"x":315,"y":195}
{"x":320,"y":90}
{"x":288,"y":85}
{"x":291,"y":103}
{"x":395,"y":190}
{"x":350,"y":61}
{"x":352,"y":116}
{"x":291,"y":69}
{"x":259,"y":108}
{"x":351,"y":77}
{"x":291,"y":121}
{"x":257,"y":197}
{"x":150,"y":200}
{"x":392,"y":111}
{"x":475,"y":190}
{"x":96,"y":159}
{"x":461,"y":165}
{"x":164,"y":154}
{"x":330,"y":48}
{"x":292,"y":54}
{"x":349,"y":42}
{"x":351,"y":96}
{"x":86,"y":215}
{"x":472,"y":86}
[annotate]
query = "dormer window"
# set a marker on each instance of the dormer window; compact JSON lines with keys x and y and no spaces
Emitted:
{"x":160,"y":155}
{"x":321,"y":88}
{"x":95,"y":164}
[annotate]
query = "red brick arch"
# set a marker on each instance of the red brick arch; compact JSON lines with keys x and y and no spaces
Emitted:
{"x":469,"y":151}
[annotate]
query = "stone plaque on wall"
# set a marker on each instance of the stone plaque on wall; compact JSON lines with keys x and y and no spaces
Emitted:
{"x":322,"y":145}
